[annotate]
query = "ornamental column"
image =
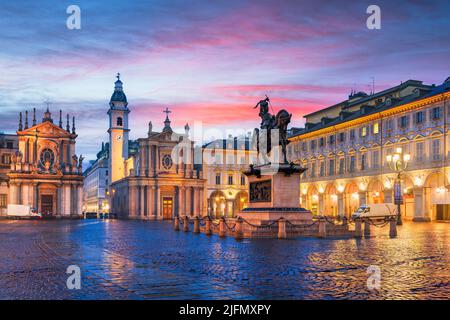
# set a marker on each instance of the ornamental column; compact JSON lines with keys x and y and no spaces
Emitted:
{"x":132,"y":202}
{"x":362,"y":198}
{"x":80,"y":200}
{"x":387,"y":193}
{"x":321,"y":204}
{"x":142,"y":201}
{"x":340,"y":204}
{"x":181,"y":202}
{"x":188,"y":201}
{"x":420,"y":212}
{"x":157,"y":203}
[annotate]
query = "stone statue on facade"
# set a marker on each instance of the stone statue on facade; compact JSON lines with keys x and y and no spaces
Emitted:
{"x":80,"y":162}
{"x":74,"y":161}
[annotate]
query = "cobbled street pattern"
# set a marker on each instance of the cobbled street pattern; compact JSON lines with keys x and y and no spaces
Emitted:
{"x":148,"y":260}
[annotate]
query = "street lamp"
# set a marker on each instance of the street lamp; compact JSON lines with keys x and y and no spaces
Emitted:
{"x":398,"y":162}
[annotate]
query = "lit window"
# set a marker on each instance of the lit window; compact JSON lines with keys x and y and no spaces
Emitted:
{"x":363,"y":131}
{"x":376,"y":128}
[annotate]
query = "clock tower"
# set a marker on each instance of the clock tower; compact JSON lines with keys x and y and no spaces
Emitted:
{"x":118,"y":132}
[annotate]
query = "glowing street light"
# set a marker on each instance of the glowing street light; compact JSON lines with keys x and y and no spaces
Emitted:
{"x":398,"y":162}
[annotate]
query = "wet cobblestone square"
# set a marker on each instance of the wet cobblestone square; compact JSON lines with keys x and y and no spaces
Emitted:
{"x":148,"y":260}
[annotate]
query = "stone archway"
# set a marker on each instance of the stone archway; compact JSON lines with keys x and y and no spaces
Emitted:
{"x":313,"y":199}
{"x":375,"y":191}
{"x":331,"y":200}
{"x":240,"y":201}
{"x":217,"y":202}
{"x":351,"y":198}
{"x":437,"y":196}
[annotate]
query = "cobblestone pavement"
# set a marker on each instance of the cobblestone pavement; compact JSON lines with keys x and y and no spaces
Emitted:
{"x":147,"y":260}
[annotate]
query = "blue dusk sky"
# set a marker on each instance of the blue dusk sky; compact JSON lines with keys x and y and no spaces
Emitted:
{"x":209,"y":61}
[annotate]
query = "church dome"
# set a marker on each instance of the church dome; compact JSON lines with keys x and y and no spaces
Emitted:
{"x":118,"y":94}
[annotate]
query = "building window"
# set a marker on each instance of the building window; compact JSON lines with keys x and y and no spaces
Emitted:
{"x":9,"y":145}
{"x":404,"y":122}
{"x":342,"y":137}
{"x":352,"y":134}
{"x":230,"y":179}
{"x":322,"y":169}
{"x":363,"y":131}
{"x":242,"y":180}
{"x":389,"y":125}
{"x":352,"y":164}
{"x":375,"y":159}
{"x":3,"y":200}
{"x":436,"y":150}
{"x":217,"y":178}
{"x":321,"y":142}
{"x":331,"y":139}
{"x":376,"y":128}
{"x":303,"y":146}
{"x":341,"y":165}
{"x":6,"y":159}
{"x":119,"y":122}
{"x":313,"y":144}
{"x":313,"y":170}
{"x":331,"y":167}
{"x":436,"y":113}
{"x":419,"y":117}
{"x":419,"y":151}
{"x":363,"y":162}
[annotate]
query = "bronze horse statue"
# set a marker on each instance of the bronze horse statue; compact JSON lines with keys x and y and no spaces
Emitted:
{"x":262,"y":137}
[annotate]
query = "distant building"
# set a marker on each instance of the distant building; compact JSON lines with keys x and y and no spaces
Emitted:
{"x":9,"y":144}
{"x":226,"y":185}
{"x":345,"y":146}
{"x":95,"y":199}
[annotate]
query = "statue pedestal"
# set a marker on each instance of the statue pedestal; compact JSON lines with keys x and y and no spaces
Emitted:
{"x":274,"y":193}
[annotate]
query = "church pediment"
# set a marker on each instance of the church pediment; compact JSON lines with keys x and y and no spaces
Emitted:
{"x":47,"y":129}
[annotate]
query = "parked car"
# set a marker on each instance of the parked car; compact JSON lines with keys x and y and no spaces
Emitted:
{"x":376,"y":211}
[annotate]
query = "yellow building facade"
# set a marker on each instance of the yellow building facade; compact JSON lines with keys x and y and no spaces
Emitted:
{"x":344,"y":148}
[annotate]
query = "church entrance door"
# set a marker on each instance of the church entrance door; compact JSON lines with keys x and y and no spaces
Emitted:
{"x":47,"y":204}
{"x":167,"y":208}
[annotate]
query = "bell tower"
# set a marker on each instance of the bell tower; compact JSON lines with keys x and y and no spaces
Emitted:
{"x":118,"y":132}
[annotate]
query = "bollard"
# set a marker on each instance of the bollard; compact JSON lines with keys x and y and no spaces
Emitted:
{"x":208,"y":226}
{"x":358,"y":232}
{"x":344,"y":221}
{"x":176,"y":224}
{"x":222,"y":228}
{"x":196,"y":225}
{"x":185,"y":223}
{"x":282,"y":229}
{"x":393,"y":228}
{"x":322,"y":228}
{"x":238,"y":233}
{"x":366,"y":228}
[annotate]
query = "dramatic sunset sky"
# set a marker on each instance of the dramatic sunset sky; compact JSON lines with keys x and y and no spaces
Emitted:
{"x":209,"y":61}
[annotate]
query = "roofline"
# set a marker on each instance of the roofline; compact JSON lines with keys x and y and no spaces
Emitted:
{"x":369,"y":97}
{"x":399,"y":108}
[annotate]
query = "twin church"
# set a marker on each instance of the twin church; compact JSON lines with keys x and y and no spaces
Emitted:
{"x":158,"y":180}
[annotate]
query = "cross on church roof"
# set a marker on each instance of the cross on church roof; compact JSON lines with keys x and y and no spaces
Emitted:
{"x":118,"y":76}
{"x":167,"y":111}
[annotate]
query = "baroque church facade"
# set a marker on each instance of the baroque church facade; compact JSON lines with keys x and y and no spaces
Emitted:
{"x":158,"y":181}
{"x":45,"y":173}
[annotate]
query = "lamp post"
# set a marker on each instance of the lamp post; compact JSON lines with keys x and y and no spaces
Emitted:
{"x":398,"y":162}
